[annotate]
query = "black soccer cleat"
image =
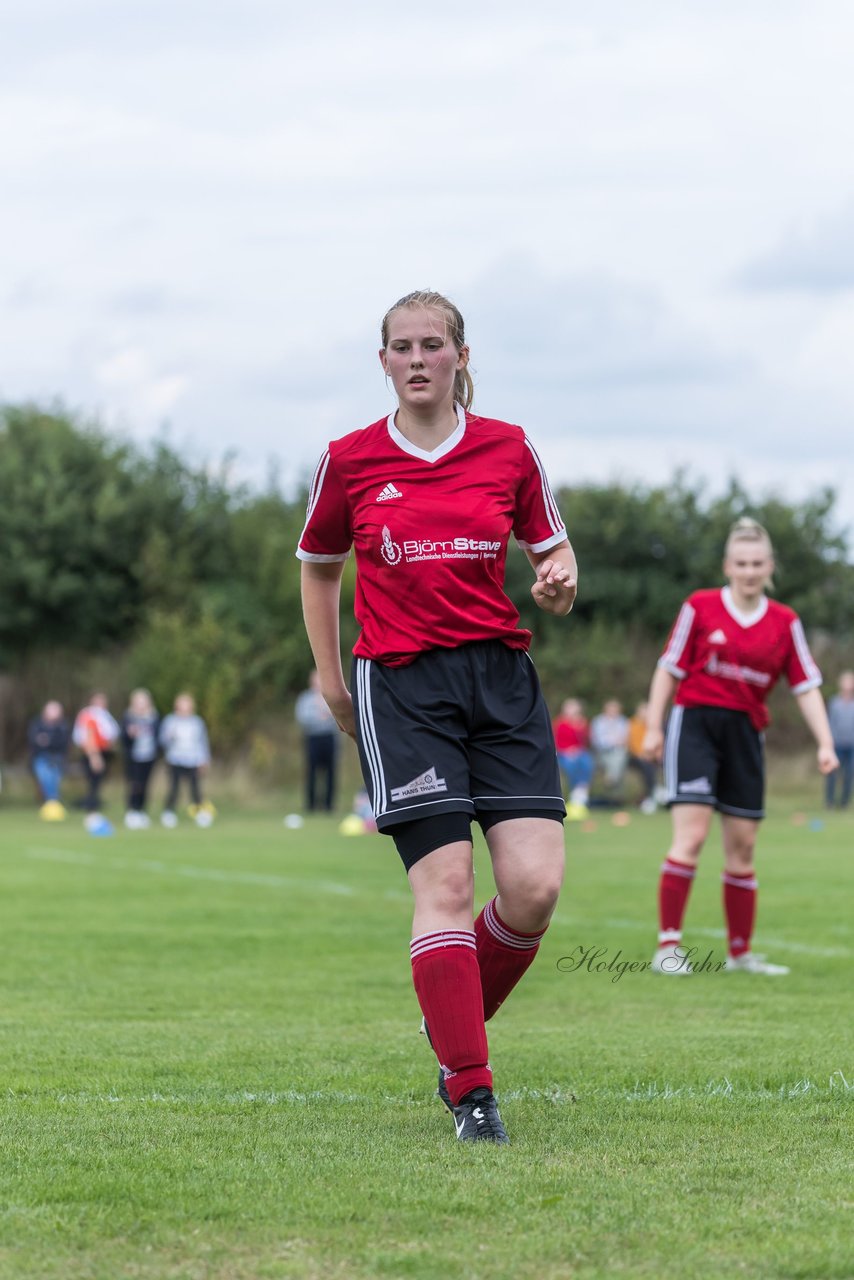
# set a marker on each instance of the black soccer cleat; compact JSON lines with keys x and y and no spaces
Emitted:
{"x":476,"y":1118}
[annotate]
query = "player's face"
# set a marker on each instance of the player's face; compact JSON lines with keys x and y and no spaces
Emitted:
{"x":421,"y":358}
{"x":748,"y":566}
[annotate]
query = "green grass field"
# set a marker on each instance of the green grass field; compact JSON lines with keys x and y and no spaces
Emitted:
{"x":211,"y":1067}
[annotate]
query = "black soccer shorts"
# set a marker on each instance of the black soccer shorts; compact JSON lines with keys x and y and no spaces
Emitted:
{"x":462,"y":730}
{"x":714,"y":756}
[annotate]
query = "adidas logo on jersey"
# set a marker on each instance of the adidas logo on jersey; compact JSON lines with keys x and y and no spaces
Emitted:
{"x":390,"y":491}
{"x":717,"y":637}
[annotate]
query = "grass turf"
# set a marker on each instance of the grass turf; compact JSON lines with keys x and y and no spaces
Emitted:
{"x":210,"y":1067}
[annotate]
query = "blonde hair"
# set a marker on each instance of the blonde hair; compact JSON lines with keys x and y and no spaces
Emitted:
{"x":748,"y":530}
{"x":454,"y":328}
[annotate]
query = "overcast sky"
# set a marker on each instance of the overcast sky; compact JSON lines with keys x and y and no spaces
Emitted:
{"x":645,"y":212}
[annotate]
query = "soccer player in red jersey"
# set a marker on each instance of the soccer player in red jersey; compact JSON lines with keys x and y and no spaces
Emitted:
{"x":446,"y":708}
{"x":727,"y":649}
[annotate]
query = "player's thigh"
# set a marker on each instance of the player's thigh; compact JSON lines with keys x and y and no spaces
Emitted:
{"x":691,"y":757}
{"x":512,"y":758}
{"x":411,"y":737}
{"x":741,"y":782}
{"x":528,"y":857}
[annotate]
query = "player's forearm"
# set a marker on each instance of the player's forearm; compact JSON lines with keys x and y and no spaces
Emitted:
{"x":811,"y":707}
{"x":321,"y":598}
{"x":661,"y":690}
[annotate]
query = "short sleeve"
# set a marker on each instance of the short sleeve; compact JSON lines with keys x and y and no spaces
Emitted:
{"x":802,"y":671}
{"x":537,"y":523}
{"x":676,"y":657}
{"x":327,"y":536}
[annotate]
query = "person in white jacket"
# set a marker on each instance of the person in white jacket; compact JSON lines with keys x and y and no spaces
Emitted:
{"x":185,"y":745}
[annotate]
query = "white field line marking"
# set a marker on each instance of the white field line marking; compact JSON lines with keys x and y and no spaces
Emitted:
{"x":193,"y":873}
{"x":800,"y":948}
{"x":559,"y":1095}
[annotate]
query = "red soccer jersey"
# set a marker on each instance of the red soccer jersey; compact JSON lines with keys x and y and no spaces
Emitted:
{"x":725,"y":658}
{"x":430,"y":532}
{"x":571,"y":735}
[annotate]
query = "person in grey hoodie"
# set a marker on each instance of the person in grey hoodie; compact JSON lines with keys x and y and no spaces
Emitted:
{"x":184,"y":741}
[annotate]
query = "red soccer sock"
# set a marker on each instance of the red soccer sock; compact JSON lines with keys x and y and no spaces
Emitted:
{"x":739,"y":909}
{"x":447,"y":982}
{"x":673,"y":889}
{"x":503,"y":956}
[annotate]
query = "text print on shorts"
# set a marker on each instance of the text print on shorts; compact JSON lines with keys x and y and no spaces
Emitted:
{"x":425,"y":784}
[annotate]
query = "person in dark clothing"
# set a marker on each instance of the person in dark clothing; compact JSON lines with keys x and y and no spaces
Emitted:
{"x":48,"y":736}
{"x":321,"y":739}
{"x":140,"y":726}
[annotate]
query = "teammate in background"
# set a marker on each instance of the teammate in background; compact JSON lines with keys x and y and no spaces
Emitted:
{"x":840,"y":712}
{"x":184,"y":740}
{"x":96,"y":734}
{"x":647,"y":769}
{"x":321,"y":739}
{"x":446,"y":709}
{"x":572,"y":740}
{"x":48,"y":736}
{"x":140,"y":724}
{"x":609,"y":734}
{"x":725,"y":653}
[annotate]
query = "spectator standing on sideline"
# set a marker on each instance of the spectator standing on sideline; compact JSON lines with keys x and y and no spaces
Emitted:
{"x":96,"y":734}
{"x":321,"y":739}
{"x":140,"y":724}
{"x":572,"y":741}
{"x":647,"y":769}
{"x":184,"y":739}
{"x":840,"y":713}
{"x":48,"y":736}
{"x":609,"y":735}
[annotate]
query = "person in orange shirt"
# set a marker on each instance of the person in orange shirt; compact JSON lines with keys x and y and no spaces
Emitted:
{"x":96,"y":734}
{"x":647,"y":769}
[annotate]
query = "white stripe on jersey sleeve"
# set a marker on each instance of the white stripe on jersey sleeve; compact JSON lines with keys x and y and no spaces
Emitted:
{"x":553,"y":541}
{"x":807,"y":661}
{"x":672,"y":654}
{"x":313,"y":497}
{"x":318,"y":559}
{"x":552,"y":513}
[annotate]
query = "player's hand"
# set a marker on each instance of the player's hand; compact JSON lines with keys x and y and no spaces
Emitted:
{"x":555,"y":588}
{"x":828,"y":761}
{"x":96,"y":762}
{"x":652,"y":747}
{"x":341,"y":706}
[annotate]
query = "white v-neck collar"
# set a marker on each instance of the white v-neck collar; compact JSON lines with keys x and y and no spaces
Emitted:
{"x":744,"y":619}
{"x":429,"y":455}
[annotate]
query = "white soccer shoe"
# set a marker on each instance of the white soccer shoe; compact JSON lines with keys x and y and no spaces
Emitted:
{"x":169,"y":819}
{"x":671,"y":960}
{"x":750,"y":962}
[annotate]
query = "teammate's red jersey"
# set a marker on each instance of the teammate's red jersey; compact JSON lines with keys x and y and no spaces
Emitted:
{"x":430,"y":532}
{"x":725,"y":658}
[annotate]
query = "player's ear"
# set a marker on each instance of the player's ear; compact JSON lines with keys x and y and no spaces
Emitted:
{"x":463,"y":357}
{"x":383,"y":361}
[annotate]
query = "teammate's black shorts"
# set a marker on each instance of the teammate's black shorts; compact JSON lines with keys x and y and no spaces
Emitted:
{"x":713,"y":755}
{"x":462,"y":730}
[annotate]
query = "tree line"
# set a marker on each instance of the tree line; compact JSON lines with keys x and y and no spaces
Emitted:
{"x":125,"y":565}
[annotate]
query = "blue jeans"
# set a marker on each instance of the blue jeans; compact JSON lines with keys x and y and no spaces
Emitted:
{"x":48,"y":773}
{"x":845,"y":773}
{"x":577,"y":767}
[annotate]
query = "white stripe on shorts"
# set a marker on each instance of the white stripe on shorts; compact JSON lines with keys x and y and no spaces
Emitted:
{"x":671,"y":753}
{"x":368,"y":729}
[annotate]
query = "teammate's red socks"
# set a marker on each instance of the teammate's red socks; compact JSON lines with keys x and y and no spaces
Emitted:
{"x":503,"y":956}
{"x":673,"y":890}
{"x":740,"y":909}
{"x":446,"y":976}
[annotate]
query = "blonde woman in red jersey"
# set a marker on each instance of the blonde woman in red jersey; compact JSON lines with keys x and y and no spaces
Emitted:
{"x":727,"y":649}
{"x":446,"y":708}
